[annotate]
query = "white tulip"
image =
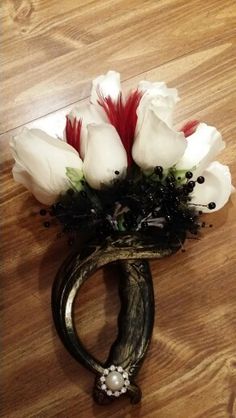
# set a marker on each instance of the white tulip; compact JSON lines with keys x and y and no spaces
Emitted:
{"x":88,"y":113}
{"x":157,"y":89}
{"x":40,"y":163}
{"x":105,"y":159}
{"x":156,"y":144}
{"x":203,"y":146}
{"x":162,"y":99}
{"x":216,"y":188}
{"x":107,"y":85}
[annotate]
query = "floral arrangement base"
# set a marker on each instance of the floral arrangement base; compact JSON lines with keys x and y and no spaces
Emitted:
{"x":117,"y":375}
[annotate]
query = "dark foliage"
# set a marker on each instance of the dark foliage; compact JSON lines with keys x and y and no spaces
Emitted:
{"x":155,"y":204}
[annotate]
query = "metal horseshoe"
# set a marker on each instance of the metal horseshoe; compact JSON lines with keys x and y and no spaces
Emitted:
{"x":136,"y":318}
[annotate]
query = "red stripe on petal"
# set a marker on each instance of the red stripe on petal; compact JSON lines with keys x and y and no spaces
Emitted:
{"x":123,"y":116}
{"x":189,"y":127}
{"x":130,"y":116}
{"x":73,"y":132}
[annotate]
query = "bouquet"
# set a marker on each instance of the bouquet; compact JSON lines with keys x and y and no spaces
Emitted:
{"x":122,"y":166}
{"x":121,"y":173}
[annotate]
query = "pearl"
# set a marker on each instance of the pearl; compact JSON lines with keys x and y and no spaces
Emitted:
{"x":114,"y":381}
{"x":188,"y":175}
{"x":191,"y":184}
{"x":211,"y":205}
{"x":158,"y":170}
{"x":200,"y":179}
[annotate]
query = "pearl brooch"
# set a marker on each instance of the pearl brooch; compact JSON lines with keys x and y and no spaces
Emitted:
{"x":114,"y":380}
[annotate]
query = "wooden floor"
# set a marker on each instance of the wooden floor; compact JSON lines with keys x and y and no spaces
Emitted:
{"x":52,"y":49}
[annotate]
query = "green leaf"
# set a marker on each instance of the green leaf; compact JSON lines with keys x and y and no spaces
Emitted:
{"x":120,"y":223}
{"x":75,"y":177}
{"x":181,"y":173}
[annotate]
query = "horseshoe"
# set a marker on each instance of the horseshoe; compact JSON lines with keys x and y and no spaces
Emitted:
{"x":136,"y":318}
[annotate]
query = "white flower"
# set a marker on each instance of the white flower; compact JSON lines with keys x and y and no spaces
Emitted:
{"x":156,"y":144}
{"x":107,"y":85}
{"x":105,"y":159}
{"x":203,"y":146}
{"x":162,"y":99}
{"x":40,"y":163}
{"x":216,"y":188}
{"x":87,"y":113}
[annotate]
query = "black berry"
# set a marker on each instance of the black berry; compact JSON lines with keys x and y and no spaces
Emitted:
{"x":211,"y":205}
{"x":191,"y":184}
{"x":200,"y":179}
{"x":158,"y":170}
{"x":188,"y":175}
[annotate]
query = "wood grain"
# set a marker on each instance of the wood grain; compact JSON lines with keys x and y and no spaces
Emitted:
{"x":51,"y":50}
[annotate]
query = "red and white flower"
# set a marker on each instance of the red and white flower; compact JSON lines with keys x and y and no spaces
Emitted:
{"x":114,"y":131}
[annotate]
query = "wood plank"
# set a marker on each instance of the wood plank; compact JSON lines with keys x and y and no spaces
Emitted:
{"x":49,"y":65}
{"x":190,"y":370}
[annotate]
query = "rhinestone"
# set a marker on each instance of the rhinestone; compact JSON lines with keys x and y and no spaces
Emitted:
{"x":127,"y":382}
{"x":120,"y":369}
{"x":109,"y":392}
{"x":117,"y":393}
{"x":102,"y":379}
{"x":112,"y":368}
{"x":103,"y":387}
{"x":106,"y":371}
{"x":123,"y":390}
